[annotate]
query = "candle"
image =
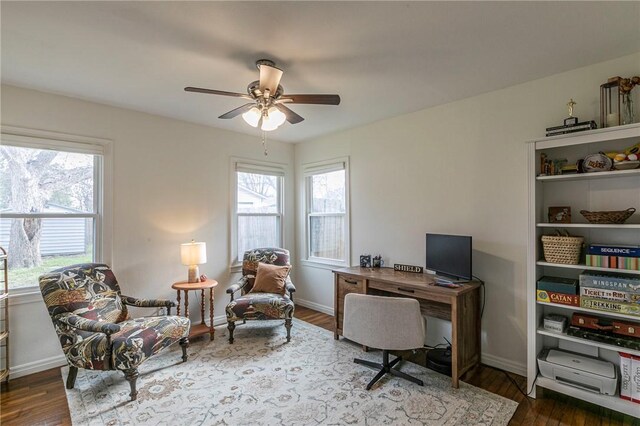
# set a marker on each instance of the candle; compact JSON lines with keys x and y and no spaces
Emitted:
{"x":612,"y":119}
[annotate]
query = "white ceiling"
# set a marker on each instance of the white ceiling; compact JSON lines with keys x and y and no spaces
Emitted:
{"x":383,"y":58}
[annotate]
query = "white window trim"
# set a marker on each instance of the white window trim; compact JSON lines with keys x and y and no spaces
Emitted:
{"x":320,"y":167}
{"x":252,"y":166}
{"x":103,"y":195}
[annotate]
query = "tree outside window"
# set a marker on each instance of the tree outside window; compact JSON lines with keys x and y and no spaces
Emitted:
{"x":47,"y":210}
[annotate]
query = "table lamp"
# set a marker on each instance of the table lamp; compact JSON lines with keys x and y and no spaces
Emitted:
{"x":193,"y":254}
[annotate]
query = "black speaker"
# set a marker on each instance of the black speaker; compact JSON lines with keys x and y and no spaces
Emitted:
{"x":440,"y":360}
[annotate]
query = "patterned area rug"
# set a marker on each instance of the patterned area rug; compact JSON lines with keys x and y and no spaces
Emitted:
{"x":260,"y":379}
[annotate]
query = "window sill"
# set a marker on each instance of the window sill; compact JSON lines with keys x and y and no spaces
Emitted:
{"x":234,"y":269}
{"x":323,"y":265}
{"x":23,"y":296}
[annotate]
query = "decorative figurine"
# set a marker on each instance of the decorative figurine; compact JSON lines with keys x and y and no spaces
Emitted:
{"x":571,"y":120}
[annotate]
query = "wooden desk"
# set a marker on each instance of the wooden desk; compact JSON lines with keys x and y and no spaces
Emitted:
{"x":202,"y":328}
{"x":461,"y":306}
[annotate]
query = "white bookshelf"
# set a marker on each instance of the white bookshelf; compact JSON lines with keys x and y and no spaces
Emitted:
{"x":612,"y":190}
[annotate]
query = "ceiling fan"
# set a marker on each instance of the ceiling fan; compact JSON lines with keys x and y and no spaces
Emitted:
{"x":267,"y":108}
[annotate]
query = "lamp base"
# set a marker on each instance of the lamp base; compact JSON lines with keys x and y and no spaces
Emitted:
{"x":194,"y":274}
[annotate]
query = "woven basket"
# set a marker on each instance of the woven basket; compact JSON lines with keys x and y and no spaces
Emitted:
{"x":562,"y":248}
{"x":614,"y":216}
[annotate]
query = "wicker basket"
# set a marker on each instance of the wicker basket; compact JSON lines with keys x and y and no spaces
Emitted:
{"x":562,"y":248}
{"x":617,"y":216}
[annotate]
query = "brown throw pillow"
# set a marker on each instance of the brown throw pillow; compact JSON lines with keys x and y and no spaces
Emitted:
{"x":270,"y":279}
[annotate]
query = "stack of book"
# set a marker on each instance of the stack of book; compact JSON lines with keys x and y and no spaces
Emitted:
{"x":603,"y":291}
{"x":570,"y":128}
{"x":614,"y":256}
{"x":630,"y":377}
{"x":563,"y":291}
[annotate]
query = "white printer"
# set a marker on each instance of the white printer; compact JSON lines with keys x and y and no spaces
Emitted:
{"x":590,"y":374}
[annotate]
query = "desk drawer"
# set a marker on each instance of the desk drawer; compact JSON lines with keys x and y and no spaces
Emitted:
{"x":348,"y":285}
{"x":416,"y":293}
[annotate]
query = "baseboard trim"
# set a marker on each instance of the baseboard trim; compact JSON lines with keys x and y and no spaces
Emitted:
{"x":315,"y":306}
{"x":37,"y":366}
{"x":504,"y":364}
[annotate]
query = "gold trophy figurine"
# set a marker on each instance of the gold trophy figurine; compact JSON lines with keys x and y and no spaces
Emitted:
{"x":571,"y":120}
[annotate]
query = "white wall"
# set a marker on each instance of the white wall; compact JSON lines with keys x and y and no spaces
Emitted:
{"x":456,"y":168}
{"x":170,"y":184}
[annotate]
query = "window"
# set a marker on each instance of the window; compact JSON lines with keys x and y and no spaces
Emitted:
{"x":257,"y":207}
{"x":50,"y":205}
{"x":327,"y":220}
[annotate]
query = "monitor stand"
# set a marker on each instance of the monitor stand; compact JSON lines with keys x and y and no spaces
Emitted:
{"x":448,"y":280}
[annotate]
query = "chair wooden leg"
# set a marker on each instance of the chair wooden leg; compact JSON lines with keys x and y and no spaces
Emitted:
{"x":184,"y":342}
{"x":231,"y":326}
{"x":287,"y":324}
{"x":132,"y":376}
{"x":71,"y":378}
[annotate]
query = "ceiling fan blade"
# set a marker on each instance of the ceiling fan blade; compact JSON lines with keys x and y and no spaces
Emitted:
{"x":312,"y":99}
{"x":269,"y":78}
{"x":292,"y":117}
{"x":217,"y":92}
{"x":236,"y":112}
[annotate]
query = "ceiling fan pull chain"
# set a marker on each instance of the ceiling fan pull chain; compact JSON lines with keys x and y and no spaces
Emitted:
{"x":264,"y":143}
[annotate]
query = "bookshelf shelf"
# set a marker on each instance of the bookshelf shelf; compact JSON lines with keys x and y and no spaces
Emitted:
{"x":4,"y":321}
{"x":590,"y":176}
{"x":565,"y":336}
{"x":592,"y":311}
{"x":589,"y":225}
{"x":614,"y":402}
{"x":582,"y":266}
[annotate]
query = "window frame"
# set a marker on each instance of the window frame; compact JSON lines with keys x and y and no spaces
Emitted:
{"x":102,"y":184}
{"x":317,"y":168}
{"x":255,"y":167}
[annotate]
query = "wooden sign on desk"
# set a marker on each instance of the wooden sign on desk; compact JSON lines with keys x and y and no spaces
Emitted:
{"x":407,"y":268}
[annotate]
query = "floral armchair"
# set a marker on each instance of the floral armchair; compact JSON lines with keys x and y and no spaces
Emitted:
{"x":260,"y":306}
{"x":91,"y":319}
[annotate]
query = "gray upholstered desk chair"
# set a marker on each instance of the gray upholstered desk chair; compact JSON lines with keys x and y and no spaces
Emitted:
{"x":387,"y":323}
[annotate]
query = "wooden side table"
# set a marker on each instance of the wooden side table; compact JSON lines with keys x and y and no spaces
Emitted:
{"x":202,"y":328}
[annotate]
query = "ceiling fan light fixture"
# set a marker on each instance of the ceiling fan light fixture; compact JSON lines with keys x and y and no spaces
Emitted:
{"x":276,"y":115}
{"x":252,"y":117}
{"x":268,"y":123}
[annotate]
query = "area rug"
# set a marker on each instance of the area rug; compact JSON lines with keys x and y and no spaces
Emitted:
{"x":261,"y":380}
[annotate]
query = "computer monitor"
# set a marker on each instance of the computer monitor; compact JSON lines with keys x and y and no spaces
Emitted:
{"x":449,"y":255}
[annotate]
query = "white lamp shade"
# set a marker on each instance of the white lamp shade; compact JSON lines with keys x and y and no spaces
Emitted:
{"x":268,"y":124}
{"x":276,"y":115}
{"x":252,"y":117}
{"x":193,"y":253}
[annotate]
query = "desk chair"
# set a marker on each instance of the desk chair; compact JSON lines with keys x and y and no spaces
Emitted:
{"x":387,"y":323}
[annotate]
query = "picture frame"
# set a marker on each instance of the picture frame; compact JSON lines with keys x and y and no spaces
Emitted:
{"x":365,"y":261}
{"x":559,"y":215}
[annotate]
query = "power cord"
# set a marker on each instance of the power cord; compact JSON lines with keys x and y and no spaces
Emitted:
{"x":506,"y":373}
{"x":484,"y":294}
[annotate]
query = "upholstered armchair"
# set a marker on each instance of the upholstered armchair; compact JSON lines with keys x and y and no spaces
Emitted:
{"x":260,"y":306}
{"x":92,"y":321}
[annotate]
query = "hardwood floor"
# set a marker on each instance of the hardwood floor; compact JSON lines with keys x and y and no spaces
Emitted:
{"x":39,"y":399}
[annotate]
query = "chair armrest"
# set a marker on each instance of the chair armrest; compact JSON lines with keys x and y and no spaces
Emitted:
{"x":288,"y":285}
{"x":147,"y":303}
{"x":238,"y":286}
{"x":85,"y":324}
